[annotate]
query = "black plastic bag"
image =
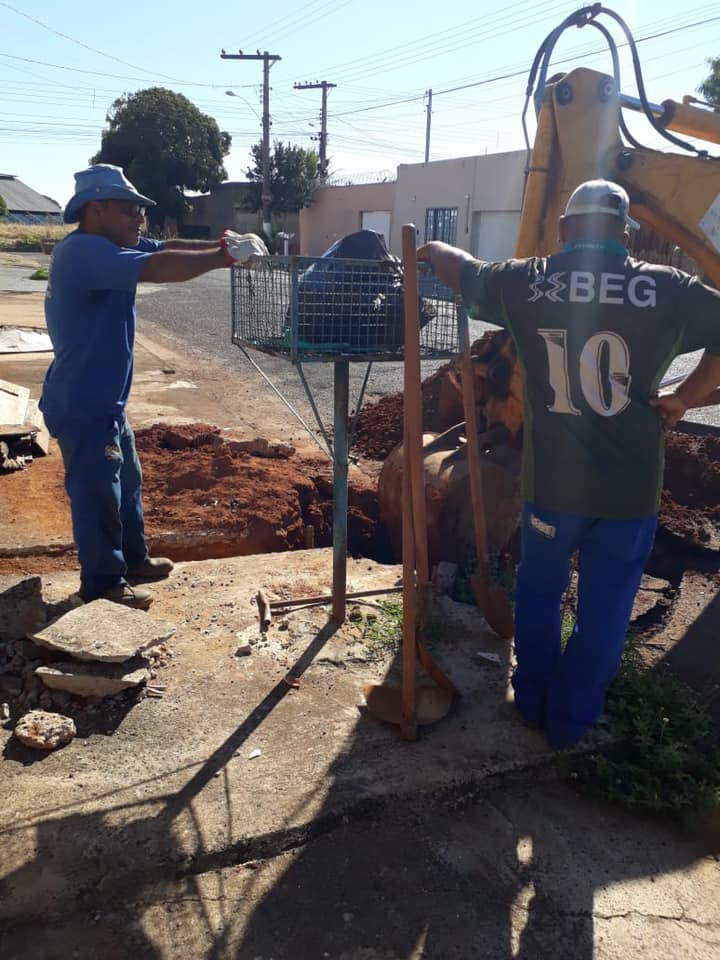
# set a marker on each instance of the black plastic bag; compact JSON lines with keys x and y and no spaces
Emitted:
{"x":354,"y":306}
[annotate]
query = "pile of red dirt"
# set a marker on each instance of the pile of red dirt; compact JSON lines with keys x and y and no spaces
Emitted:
{"x":195,"y":482}
{"x":691,"y":496}
{"x":379,"y":425}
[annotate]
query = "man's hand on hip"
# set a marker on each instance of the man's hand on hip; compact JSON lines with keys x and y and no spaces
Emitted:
{"x":447,"y":262}
{"x":671,"y":408}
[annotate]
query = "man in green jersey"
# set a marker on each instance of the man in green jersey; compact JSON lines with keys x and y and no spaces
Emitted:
{"x":595,"y":331}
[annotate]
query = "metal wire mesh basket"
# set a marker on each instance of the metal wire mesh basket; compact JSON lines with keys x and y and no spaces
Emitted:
{"x":311,"y":308}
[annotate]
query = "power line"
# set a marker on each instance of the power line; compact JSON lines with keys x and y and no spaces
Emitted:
{"x":111,"y":76}
{"x":80,"y":43}
{"x":520,"y":73}
{"x":301,"y":11}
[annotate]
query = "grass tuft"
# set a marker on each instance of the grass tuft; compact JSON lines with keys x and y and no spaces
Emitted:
{"x":667,"y":758}
{"x":383,"y":633}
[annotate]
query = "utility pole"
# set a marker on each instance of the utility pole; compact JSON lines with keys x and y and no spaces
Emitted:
{"x":324,"y":86}
{"x":268,"y":60}
{"x":428,"y":94}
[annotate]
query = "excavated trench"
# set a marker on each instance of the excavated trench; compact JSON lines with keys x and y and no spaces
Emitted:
{"x":206,"y":497}
{"x":209,"y":497}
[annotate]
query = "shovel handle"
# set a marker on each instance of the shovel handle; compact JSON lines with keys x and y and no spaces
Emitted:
{"x":473,"y":447}
{"x":412,"y":404}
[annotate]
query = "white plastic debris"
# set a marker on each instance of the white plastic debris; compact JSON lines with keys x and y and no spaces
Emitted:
{"x":255,"y":754}
{"x":488,"y":655}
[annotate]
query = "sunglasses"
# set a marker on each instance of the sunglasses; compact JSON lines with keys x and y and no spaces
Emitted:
{"x":129,"y":209}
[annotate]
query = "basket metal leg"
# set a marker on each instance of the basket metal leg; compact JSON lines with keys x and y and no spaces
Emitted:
{"x":313,"y":406}
{"x":325,"y":449}
{"x":340,"y":490}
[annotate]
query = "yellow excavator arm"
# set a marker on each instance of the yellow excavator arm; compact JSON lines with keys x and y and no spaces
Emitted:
{"x":578,"y":139}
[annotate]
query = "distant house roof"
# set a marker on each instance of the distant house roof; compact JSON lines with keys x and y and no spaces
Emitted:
{"x":23,"y":199}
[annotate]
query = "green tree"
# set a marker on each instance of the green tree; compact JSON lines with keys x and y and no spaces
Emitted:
{"x":710,"y":87}
{"x":3,"y":207}
{"x":293,"y":178}
{"x":165,"y":145}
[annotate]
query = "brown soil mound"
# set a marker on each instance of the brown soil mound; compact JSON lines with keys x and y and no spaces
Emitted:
{"x":196,"y":482}
{"x":379,"y":425}
{"x":203,"y":497}
{"x":690,"y":505}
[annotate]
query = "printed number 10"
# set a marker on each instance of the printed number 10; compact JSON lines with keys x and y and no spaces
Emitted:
{"x":607,"y":394}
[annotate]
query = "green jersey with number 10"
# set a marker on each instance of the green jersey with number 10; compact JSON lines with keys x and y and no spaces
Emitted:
{"x":595,"y":332}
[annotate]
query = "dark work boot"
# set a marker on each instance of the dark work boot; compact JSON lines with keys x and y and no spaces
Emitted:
{"x":154,"y":568}
{"x":128,"y":596}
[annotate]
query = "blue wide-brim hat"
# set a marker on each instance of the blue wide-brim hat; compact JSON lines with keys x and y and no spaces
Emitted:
{"x":101,"y":182}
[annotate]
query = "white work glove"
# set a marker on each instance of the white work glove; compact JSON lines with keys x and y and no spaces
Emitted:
{"x":240,"y":247}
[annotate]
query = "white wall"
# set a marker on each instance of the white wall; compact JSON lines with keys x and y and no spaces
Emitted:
{"x":491,"y":183}
{"x":494,"y":233}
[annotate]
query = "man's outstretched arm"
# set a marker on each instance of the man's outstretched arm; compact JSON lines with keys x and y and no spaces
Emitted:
{"x":175,"y":265}
{"x":186,"y":245}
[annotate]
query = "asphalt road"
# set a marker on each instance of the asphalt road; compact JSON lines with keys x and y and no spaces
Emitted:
{"x":197,"y":315}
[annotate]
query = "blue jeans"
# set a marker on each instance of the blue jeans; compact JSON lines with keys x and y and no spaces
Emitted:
{"x":103,"y":480}
{"x":564,"y":692}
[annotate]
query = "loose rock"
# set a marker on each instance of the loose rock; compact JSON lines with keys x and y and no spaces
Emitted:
{"x":104,"y":631}
{"x":44,"y":731}
{"x":22,"y":609}
{"x":92,"y":679}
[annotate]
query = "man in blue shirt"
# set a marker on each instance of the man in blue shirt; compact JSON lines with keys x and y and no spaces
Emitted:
{"x":90,"y":313}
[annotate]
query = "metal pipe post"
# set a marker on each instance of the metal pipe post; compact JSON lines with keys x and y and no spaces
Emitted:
{"x":340,"y":489}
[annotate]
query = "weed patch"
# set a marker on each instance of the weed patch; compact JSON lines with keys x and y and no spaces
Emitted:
{"x":667,"y":758}
{"x":383,"y":632}
{"x":40,"y":274}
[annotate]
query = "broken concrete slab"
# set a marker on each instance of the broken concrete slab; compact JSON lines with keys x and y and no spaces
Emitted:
{"x":104,"y":631}
{"x":22,"y":608}
{"x":17,"y":340}
{"x":13,"y":404}
{"x":93,"y":679}
{"x":40,"y":730}
{"x":41,"y":439}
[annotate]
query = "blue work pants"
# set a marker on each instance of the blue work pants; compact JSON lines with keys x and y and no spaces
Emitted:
{"x":103,"y":479}
{"x":564,"y":691}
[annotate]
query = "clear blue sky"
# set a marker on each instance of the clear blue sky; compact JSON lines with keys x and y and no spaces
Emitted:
{"x":55,"y":92}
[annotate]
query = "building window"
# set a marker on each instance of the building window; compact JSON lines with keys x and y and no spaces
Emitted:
{"x":441,"y":224}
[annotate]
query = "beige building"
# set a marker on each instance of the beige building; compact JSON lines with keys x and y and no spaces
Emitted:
{"x":338,"y":211}
{"x":472,"y":202}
